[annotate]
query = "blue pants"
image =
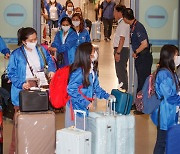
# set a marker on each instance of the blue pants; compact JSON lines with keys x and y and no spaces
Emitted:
{"x":160,"y":142}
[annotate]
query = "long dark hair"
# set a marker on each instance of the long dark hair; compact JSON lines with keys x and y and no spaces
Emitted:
{"x":166,"y":60}
{"x":82,"y":60}
{"x":52,"y":3}
{"x":67,"y":2}
{"x":81,"y":26}
{"x":24,"y":33}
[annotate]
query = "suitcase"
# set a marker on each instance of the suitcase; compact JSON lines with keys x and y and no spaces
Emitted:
{"x":123,"y":101}
{"x":125,"y":134}
{"x":35,"y":132}
{"x":102,"y":128}
{"x":33,"y":101}
{"x":96,"y":31}
{"x":72,"y":140}
{"x":173,"y":140}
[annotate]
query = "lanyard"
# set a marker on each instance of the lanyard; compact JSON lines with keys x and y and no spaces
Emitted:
{"x":133,"y":27}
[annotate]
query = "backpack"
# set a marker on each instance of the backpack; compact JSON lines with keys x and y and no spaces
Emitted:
{"x":147,"y":100}
{"x":58,"y":88}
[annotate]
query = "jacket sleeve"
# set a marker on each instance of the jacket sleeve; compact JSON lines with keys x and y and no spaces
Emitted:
{"x":3,"y":48}
{"x":12,"y":72}
{"x":74,"y":82}
{"x":167,"y":89}
{"x":69,"y":43}
{"x":57,"y":42}
{"x":100,"y":93}
{"x":88,"y":39}
{"x":50,"y":62}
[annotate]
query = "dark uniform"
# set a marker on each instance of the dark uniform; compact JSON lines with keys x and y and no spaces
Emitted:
{"x":144,"y":59}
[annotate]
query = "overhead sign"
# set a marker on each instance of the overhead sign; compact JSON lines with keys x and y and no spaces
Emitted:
{"x":156,"y":16}
{"x":15,"y":14}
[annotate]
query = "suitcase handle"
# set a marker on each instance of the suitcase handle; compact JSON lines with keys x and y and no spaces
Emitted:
{"x":84,"y":115}
{"x":109,"y":110}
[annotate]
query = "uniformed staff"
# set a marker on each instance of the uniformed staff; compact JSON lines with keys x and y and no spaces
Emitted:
{"x":140,"y":46}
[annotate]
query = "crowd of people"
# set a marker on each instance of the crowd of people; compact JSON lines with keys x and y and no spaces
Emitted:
{"x":72,"y":47}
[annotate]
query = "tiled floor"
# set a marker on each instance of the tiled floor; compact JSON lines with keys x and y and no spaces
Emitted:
{"x":145,"y":130}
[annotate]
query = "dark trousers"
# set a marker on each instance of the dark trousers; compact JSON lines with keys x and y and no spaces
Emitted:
{"x":160,"y":142}
{"x":143,"y":67}
{"x":52,"y":24}
{"x":107,"y":27}
{"x":121,"y":67}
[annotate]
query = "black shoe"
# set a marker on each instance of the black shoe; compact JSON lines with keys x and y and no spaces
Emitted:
{"x":133,"y":107}
{"x":109,"y":38}
{"x":106,"y":39}
{"x":138,"y":112}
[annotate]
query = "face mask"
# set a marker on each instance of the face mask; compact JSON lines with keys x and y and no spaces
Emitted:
{"x":31,"y":45}
{"x":95,"y":57}
{"x":70,"y":8}
{"x":65,"y":28}
{"x":52,"y":1}
{"x":177,"y":60}
{"x":76,"y":23}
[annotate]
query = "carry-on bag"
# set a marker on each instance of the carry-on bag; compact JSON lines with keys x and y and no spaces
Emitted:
{"x":33,"y":100}
{"x":96,"y":31}
{"x":72,"y":140}
{"x":173,"y":140}
{"x":102,"y":127}
{"x":35,"y":132}
{"x":123,"y":101}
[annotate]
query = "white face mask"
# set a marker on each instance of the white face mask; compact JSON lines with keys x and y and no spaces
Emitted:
{"x":31,"y":45}
{"x":76,"y":23}
{"x":95,"y":56}
{"x":177,"y":60}
{"x":70,"y":8}
{"x":52,"y":1}
{"x":65,"y":28}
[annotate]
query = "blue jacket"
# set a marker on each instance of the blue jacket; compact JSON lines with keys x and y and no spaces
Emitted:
{"x":63,"y":14}
{"x":69,"y":47}
{"x":166,"y":89}
{"x":58,"y":6}
{"x":3,"y":48}
{"x":83,"y":37}
{"x":17,"y":71}
{"x":78,"y":101}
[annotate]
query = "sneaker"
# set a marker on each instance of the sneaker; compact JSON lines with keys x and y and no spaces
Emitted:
{"x":106,"y":39}
{"x":138,"y":112}
{"x":109,"y":38}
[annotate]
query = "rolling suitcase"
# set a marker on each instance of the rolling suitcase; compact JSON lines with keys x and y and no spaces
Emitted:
{"x":72,"y":140}
{"x":123,"y":101}
{"x":35,"y":132}
{"x":173,"y":140}
{"x":125,"y":134}
{"x":102,"y":127}
{"x":96,"y":31}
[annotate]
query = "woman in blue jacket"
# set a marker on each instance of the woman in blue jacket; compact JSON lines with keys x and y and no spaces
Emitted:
{"x":167,"y":88}
{"x":83,"y":84}
{"x":18,"y":69}
{"x":68,"y":12}
{"x":78,"y":24}
{"x":65,"y":42}
{"x":3,"y":48}
{"x":54,"y":10}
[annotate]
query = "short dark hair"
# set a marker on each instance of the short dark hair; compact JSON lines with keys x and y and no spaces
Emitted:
{"x":120,"y":8}
{"x":66,"y":19}
{"x":128,"y":14}
{"x":23,"y":34}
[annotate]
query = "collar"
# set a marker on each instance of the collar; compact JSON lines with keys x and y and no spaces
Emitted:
{"x":120,"y":20}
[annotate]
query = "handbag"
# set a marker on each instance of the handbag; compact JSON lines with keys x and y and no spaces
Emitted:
{"x":33,"y":101}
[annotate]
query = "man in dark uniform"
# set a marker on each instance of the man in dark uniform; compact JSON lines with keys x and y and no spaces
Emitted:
{"x":140,"y":47}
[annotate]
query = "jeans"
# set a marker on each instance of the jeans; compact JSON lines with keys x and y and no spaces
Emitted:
{"x":52,"y":24}
{"x":160,"y":142}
